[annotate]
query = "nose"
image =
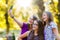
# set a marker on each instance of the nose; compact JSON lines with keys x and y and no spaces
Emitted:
{"x":33,"y":25}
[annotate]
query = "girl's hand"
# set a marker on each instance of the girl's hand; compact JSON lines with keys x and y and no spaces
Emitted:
{"x":56,"y":33}
{"x":10,"y":13}
{"x":59,"y":38}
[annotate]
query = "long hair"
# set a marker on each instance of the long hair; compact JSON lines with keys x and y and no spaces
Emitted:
{"x":34,"y":18}
{"x":40,"y":31}
{"x":50,"y":17}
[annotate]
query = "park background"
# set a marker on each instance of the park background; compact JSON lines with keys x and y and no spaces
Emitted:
{"x":22,"y":10}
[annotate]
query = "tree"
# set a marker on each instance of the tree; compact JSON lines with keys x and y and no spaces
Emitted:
{"x":57,"y":13}
{"x":40,"y":4}
{"x":6,"y":17}
{"x":58,"y":6}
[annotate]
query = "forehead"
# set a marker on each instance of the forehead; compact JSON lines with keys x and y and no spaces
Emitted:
{"x":35,"y":21}
{"x":44,"y":13}
{"x":31,"y":17}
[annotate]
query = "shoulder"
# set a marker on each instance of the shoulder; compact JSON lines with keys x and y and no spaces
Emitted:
{"x":24,"y":25}
{"x":53,"y":24}
{"x":28,"y":32}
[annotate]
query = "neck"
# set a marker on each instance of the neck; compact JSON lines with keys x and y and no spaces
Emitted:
{"x":35,"y":32}
{"x":30,"y":27}
{"x":46,"y":22}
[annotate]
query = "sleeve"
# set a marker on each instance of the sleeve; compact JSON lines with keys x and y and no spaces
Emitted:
{"x":53,"y":25}
{"x":28,"y":33}
{"x":24,"y":25}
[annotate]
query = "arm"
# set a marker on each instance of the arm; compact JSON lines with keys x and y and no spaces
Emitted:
{"x":55,"y":31}
{"x":18,"y":22}
{"x":24,"y":35}
{"x":12,"y":16}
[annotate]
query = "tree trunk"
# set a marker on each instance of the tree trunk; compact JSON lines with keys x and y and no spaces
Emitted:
{"x":58,"y":5}
{"x":40,"y":4}
{"x":6,"y":17}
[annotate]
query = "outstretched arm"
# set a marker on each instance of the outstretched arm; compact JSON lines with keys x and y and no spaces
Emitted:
{"x":12,"y":16}
{"x":24,"y":35}
{"x":55,"y":31}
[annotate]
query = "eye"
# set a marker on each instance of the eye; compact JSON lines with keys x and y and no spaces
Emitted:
{"x":44,"y":15}
{"x":35,"y":24}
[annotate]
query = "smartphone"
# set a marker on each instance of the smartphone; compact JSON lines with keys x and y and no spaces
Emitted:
{"x":11,"y":7}
{"x":10,"y":10}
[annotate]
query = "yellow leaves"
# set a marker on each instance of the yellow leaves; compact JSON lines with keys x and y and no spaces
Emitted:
{"x":2,"y":13}
{"x":2,"y":1}
{"x":35,"y":8}
{"x":2,"y":4}
{"x":55,"y":1}
{"x":10,"y":2}
{"x":2,"y":20}
{"x":55,"y":20}
{"x":2,"y":24}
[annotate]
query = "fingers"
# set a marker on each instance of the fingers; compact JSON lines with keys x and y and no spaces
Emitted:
{"x":10,"y":13}
{"x":19,"y":38}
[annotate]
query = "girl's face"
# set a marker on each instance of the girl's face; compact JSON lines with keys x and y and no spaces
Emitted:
{"x":44,"y":17}
{"x":35,"y":25}
{"x":31,"y":20}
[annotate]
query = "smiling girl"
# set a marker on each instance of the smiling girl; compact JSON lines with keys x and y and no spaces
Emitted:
{"x":50,"y":30}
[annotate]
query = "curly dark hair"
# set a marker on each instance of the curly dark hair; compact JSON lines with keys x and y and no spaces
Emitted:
{"x":34,"y":18}
{"x":40,"y":31}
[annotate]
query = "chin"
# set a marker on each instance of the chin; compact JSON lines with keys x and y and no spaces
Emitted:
{"x":33,"y":29}
{"x":44,"y":20}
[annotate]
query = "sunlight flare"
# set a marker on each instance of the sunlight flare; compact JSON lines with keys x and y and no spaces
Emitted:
{"x":23,"y":3}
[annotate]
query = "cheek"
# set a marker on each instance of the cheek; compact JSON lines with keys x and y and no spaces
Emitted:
{"x":31,"y":21}
{"x":35,"y":27}
{"x":45,"y":18}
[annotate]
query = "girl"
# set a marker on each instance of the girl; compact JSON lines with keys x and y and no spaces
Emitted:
{"x":50,"y":30}
{"x":37,"y":32}
{"x":24,"y":26}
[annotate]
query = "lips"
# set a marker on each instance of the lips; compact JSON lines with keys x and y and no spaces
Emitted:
{"x":43,"y":18}
{"x":30,"y":21}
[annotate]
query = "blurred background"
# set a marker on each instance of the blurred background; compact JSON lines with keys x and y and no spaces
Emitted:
{"x":22,"y":10}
